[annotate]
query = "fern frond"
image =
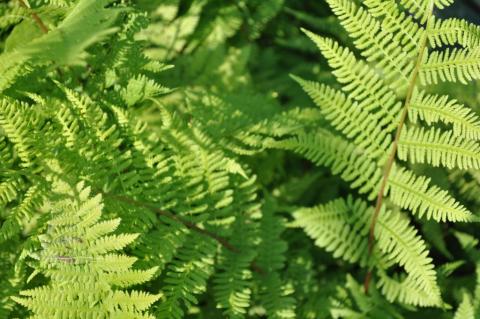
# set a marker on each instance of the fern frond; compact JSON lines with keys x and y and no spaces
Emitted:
{"x":141,"y":88}
{"x":187,"y":276}
{"x":275,"y":295}
{"x":401,"y":25}
{"x":454,"y":32}
{"x":341,"y":227}
{"x":404,"y":290}
{"x":421,"y":9}
{"x":465,"y":310}
{"x":438,"y":148}
{"x":23,"y":213}
{"x":360,"y":81}
{"x":368,"y":131}
{"x":401,"y":242}
{"x":376,"y":43}
{"x":416,"y":194}
{"x":232,"y":284}
{"x":352,"y":163}
{"x":451,"y":65}
{"x":441,"y":108}
{"x":82,"y":275}
{"x":18,"y":131}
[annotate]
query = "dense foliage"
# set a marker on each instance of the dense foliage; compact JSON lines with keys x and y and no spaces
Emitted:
{"x":239,"y":159}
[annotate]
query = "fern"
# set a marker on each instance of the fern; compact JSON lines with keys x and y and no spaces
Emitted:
{"x":155,"y":159}
{"x":78,"y":257}
{"x":397,"y":63}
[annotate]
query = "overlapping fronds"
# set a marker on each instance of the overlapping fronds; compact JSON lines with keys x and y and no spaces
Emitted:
{"x":341,"y":226}
{"x":381,"y":92}
{"x":79,"y":254}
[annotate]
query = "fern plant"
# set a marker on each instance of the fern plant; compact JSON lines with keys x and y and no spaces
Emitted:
{"x":148,"y":167}
{"x":386,"y":120}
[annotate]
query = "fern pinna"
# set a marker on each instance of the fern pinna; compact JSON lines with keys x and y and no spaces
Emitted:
{"x":386,"y":120}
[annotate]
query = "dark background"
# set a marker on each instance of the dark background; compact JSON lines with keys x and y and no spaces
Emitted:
{"x":468,"y":9}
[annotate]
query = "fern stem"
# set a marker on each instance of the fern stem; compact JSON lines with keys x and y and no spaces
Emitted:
{"x":35,"y":17}
{"x":221,"y":240}
{"x":391,"y":158}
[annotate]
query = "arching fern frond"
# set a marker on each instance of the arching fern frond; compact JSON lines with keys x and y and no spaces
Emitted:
{"x":187,"y":276}
{"x":438,"y":148}
{"x":78,"y":256}
{"x":275,"y":295}
{"x":341,"y":225}
{"x":352,"y":163}
{"x":375,"y":42}
{"x":441,"y":108}
{"x":233,"y":286}
{"x":416,"y":194}
{"x":422,"y":9}
{"x":454,"y":32}
{"x":368,"y":131}
{"x":360,"y":81}
{"x":451,"y":65}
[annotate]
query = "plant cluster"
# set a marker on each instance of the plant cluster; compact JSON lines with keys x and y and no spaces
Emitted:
{"x":199,"y":159}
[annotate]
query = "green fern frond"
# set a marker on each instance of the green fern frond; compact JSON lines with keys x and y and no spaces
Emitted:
{"x":187,"y":276}
{"x":375,"y":42}
{"x":77,"y":255}
{"x":360,"y":81}
{"x":341,"y":227}
{"x":401,"y":25}
{"x":232,"y":284}
{"x":441,"y":108}
{"x":18,"y":130}
{"x":438,"y":148}
{"x":404,"y":290}
{"x":465,"y":310}
{"x":367,"y":130}
{"x":454,"y":32}
{"x":352,"y":163}
{"x":451,"y":65}
{"x":421,"y":9}
{"x":276,"y":296}
{"x":401,"y":242}
{"x":416,"y":194}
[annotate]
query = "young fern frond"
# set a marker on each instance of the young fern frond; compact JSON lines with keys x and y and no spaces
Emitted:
{"x":78,"y":255}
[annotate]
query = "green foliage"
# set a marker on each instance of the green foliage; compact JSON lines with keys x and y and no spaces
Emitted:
{"x":160,"y":159}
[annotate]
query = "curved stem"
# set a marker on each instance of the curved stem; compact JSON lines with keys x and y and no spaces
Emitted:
{"x":391,"y":158}
{"x":35,"y":17}
{"x":221,"y":240}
